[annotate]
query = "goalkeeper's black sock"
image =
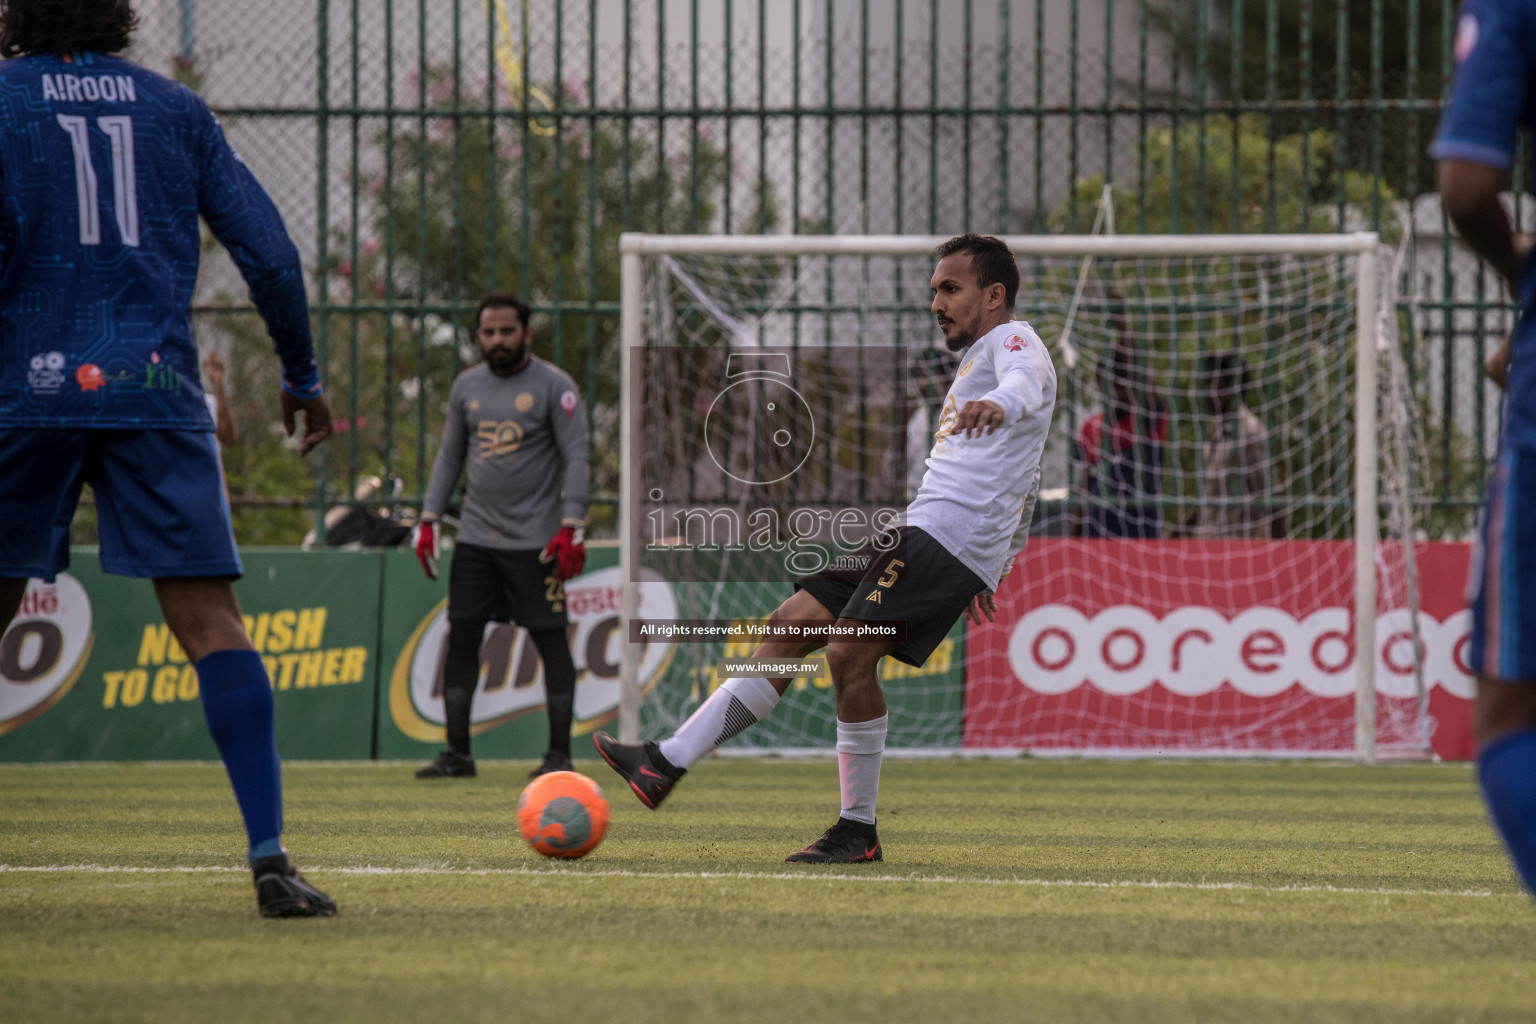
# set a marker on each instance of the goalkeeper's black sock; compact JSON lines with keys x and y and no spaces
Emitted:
{"x":461,"y":671}
{"x":559,"y":686}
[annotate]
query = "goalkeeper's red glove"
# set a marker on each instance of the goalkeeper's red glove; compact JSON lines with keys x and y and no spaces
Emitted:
{"x":568,"y":551}
{"x":426,"y":547}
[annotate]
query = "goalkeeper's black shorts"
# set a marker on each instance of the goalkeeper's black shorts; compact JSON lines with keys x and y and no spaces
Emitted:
{"x":915,"y":583}
{"x":488,"y":585}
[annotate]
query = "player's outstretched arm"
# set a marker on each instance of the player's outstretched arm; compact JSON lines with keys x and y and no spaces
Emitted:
{"x":1026,"y":384}
{"x":980,"y":416}
{"x":317,"y":419}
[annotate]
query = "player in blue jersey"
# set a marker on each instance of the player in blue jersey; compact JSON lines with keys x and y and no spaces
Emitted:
{"x":104,"y":170}
{"x":1493,"y":95}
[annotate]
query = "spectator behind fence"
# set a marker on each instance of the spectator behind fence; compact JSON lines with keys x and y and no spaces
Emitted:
{"x":1236,"y":478}
{"x":218,"y":401}
{"x":1119,"y":456}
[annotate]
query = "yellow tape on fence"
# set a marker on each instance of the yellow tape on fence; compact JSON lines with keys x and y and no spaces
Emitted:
{"x":511,"y":63}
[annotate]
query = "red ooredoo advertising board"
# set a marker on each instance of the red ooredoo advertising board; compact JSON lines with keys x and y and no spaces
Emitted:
{"x":1211,"y":646}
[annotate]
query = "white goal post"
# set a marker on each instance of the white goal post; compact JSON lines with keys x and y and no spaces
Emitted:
{"x":644,"y":257}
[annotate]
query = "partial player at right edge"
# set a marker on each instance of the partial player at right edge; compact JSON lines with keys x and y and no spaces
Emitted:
{"x":1489,"y":107}
{"x":958,"y":538}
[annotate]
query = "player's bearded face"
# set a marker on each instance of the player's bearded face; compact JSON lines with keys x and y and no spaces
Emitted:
{"x":503,"y":340}
{"x":959,"y":304}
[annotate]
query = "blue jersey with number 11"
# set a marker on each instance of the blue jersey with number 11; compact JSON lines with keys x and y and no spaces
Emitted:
{"x":1493,"y":95}
{"x":105,"y":168}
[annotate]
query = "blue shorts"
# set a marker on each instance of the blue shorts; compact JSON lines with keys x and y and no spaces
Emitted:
{"x":1501,"y":583}
{"x":160,"y":502}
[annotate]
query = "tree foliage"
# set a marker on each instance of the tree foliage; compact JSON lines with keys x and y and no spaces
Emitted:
{"x":1402,"y":55}
{"x":1230,"y":175}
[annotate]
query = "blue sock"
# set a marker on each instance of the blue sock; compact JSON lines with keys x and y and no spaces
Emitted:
{"x":269,"y":848}
{"x":237,"y":704}
{"x":1506,"y":770}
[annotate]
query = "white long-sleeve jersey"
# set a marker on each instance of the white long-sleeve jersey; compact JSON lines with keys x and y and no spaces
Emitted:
{"x":978,"y":496}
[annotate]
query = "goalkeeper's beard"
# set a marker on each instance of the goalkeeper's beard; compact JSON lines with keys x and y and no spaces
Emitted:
{"x":503,"y":359}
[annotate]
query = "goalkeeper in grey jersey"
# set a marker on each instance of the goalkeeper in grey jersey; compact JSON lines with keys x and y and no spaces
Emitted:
{"x":516,"y":423}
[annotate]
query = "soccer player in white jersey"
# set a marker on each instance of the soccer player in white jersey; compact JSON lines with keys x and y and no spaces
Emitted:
{"x":958,"y":538}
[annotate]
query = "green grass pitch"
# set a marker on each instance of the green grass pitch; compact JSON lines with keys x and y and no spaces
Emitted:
{"x":1012,"y":890}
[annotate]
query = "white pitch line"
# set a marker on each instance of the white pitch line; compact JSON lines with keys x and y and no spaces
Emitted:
{"x":790,"y":876}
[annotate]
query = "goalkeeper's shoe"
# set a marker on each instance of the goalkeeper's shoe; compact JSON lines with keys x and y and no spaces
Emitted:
{"x":553,"y":762}
{"x":282,"y":892}
{"x":450,"y":764}
{"x":847,"y":842}
{"x":649,"y":774}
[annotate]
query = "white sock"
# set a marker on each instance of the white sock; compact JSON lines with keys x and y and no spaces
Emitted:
{"x":739,"y":702}
{"x":860,"y":746}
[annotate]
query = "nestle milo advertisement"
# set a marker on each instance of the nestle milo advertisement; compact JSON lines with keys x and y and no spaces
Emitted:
{"x":89,"y":670}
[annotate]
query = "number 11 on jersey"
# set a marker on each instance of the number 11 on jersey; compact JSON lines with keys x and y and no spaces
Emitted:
{"x":125,"y":200}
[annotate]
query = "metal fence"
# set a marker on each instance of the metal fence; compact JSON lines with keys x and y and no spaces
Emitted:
{"x":426,"y":151}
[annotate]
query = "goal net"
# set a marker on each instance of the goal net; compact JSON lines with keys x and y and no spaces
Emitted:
{"x":1226,"y":490}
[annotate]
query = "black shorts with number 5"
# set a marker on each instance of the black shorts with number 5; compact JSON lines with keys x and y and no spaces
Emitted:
{"x":915,"y":580}
{"x":488,"y":585}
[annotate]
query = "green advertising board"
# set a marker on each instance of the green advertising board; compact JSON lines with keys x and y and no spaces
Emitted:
{"x":354,"y":644}
{"x":89,"y":671}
